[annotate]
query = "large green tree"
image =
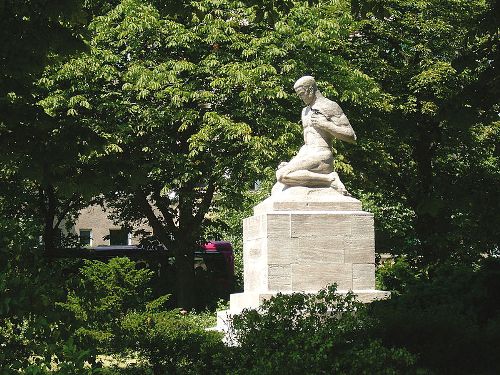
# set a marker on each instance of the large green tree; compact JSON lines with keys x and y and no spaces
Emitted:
{"x":41,"y":174}
{"x":432,"y":157}
{"x":191,"y":106}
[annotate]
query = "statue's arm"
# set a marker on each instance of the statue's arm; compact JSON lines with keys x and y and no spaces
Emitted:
{"x":337,"y":125}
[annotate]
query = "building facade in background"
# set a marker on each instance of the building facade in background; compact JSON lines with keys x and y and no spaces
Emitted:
{"x":95,"y":228}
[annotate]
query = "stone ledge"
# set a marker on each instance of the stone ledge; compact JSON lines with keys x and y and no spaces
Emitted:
{"x":307,"y":199}
{"x":256,"y":299}
{"x":252,"y":300}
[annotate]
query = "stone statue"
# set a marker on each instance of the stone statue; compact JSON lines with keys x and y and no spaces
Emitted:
{"x":323,"y":120}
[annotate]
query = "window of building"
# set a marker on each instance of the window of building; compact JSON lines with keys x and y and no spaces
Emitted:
{"x":85,"y":237}
{"x":119,"y":237}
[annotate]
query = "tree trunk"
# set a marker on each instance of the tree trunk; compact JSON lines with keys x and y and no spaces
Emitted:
{"x":426,"y":220}
{"x":184,"y":269}
{"x":48,"y":208}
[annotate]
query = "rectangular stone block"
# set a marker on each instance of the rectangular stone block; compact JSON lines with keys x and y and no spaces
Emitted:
{"x":255,"y":278}
{"x":240,"y":301}
{"x":363,"y":276}
{"x":282,"y":250}
{"x":362,"y":225}
{"x":314,"y":225}
{"x":277,"y":225}
{"x":353,"y":205}
{"x":307,"y":277}
{"x":255,"y":264}
{"x":287,"y":251}
{"x":253,"y":228}
{"x":254,"y":250}
{"x":329,"y":249}
{"x":280,"y":277}
{"x":360,"y":249}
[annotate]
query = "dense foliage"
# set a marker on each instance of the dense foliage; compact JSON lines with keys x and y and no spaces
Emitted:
{"x":99,"y":318}
{"x":447,"y":318}
{"x":433,"y":157}
{"x":113,"y":311}
{"x":171,"y":100}
{"x":172,"y":112}
{"x":321,"y":333}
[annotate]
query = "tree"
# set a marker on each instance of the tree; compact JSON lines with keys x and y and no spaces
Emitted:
{"x":190,"y":107}
{"x":40,"y":169}
{"x":434,"y":150}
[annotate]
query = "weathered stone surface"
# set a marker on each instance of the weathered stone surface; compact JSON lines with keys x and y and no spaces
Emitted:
{"x":253,"y":228}
{"x":360,"y":250}
{"x":313,"y":277}
{"x":307,"y":250}
{"x":280,"y":277}
{"x":253,"y":250}
{"x":321,"y":249}
{"x":304,"y":243}
{"x":363,"y":276}
{"x":255,"y":279}
{"x":299,"y":198}
{"x":254,"y":256}
{"x":362,"y":226}
{"x":283,"y":250}
{"x":320,"y":224}
{"x":277,"y":225}
{"x":247,"y":300}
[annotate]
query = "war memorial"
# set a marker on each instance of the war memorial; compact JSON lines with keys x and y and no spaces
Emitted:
{"x":310,"y":232}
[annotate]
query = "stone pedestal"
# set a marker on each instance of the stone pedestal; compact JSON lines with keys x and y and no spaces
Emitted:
{"x":302,"y":239}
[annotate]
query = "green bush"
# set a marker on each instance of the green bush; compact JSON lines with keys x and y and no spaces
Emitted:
{"x":173,"y":343}
{"x":32,"y":330}
{"x":113,"y":310}
{"x":396,"y":275}
{"x":451,"y":319}
{"x":312,"y":334}
{"x":102,"y":296}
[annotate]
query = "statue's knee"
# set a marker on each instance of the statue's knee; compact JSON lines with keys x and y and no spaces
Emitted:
{"x":280,"y":175}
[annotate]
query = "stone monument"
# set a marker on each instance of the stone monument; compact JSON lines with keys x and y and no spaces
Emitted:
{"x":310,"y":232}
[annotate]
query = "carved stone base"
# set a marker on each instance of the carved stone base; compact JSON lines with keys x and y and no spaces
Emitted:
{"x":301,"y":240}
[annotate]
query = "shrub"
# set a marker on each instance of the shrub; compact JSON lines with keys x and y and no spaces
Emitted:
{"x":312,"y":334}
{"x":173,"y":342}
{"x":102,"y":297}
{"x":450,"y":319}
{"x":31,"y":328}
{"x":113,"y":309}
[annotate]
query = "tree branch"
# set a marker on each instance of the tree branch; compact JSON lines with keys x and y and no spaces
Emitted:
{"x":71,"y":202}
{"x":156,"y":224}
{"x":205,"y":202}
{"x":163,"y":205}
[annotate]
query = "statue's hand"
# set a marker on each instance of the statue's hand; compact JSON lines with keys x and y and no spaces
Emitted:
{"x":317,"y":118}
{"x":282,"y":164}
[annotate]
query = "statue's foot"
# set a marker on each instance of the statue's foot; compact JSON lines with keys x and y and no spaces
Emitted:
{"x":337,"y":184}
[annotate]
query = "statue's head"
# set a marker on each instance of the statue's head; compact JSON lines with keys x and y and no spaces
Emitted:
{"x":306,"y":89}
